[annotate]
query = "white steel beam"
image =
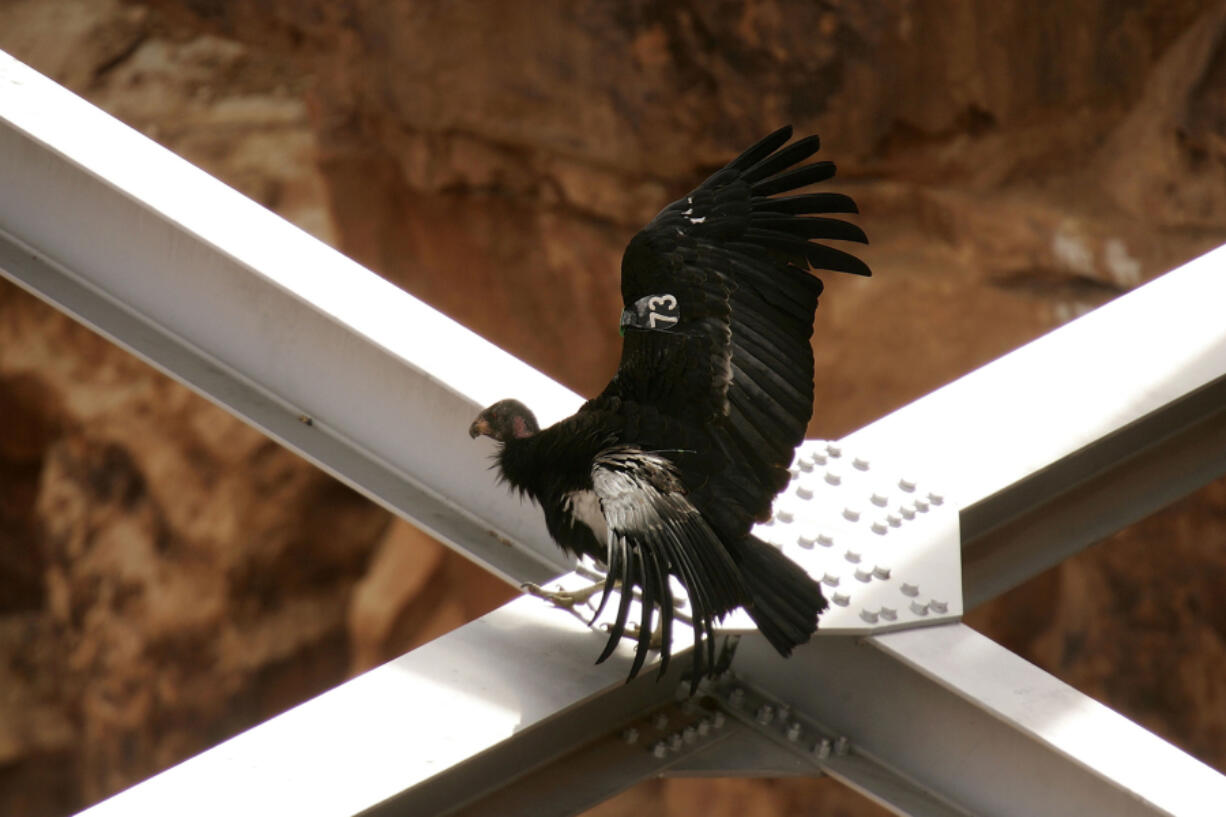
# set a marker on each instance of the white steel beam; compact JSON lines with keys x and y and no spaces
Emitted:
{"x":378,"y":389}
{"x":1082,"y":498}
{"x":1078,"y":433}
{"x":505,"y":717}
{"x":422,"y":734}
{"x":982,"y":729}
{"x":321,"y":354}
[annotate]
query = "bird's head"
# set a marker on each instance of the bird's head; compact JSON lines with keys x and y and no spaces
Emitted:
{"x":505,"y":420}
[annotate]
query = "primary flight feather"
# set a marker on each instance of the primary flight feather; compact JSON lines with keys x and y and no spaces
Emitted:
{"x":665,"y":472}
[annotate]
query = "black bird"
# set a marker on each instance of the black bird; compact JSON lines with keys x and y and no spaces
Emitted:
{"x":666,"y":471}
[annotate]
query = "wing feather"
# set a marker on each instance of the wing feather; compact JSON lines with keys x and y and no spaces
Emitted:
{"x":792,"y":179}
{"x":824,"y":257}
{"x":793,"y":154}
{"x":808,"y":227}
{"x":806,"y":203}
{"x":759,"y":151}
{"x":628,"y":578}
{"x":649,"y":584}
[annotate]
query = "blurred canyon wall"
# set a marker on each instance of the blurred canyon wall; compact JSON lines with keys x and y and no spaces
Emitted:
{"x":169,"y":577}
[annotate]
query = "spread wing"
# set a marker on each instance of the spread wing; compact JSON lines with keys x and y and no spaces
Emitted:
{"x":719,"y":311}
{"x":654,"y":530}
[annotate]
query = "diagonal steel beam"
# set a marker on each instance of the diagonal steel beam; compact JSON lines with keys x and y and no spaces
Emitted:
{"x":321,"y":354}
{"x":989,"y":733}
{"x":1128,"y":474}
{"x":501,"y":717}
{"x":1078,"y":433}
{"x":419,"y":735}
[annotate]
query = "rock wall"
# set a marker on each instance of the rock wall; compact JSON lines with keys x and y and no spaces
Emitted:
{"x":169,"y":577}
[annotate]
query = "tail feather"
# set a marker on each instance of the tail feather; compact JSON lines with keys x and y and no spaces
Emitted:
{"x":786,"y":601}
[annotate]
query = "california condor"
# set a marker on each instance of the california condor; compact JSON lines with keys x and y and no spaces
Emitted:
{"x":666,"y":471}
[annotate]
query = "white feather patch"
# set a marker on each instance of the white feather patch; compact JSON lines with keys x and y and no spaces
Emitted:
{"x":585,"y":507}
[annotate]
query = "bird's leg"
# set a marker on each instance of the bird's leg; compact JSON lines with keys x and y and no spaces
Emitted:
{"x":657,"y":634}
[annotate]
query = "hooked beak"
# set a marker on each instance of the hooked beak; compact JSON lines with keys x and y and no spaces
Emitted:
{"x":480,"y":426}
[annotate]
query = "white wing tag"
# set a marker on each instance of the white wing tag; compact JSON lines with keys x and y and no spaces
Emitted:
{"x":656,"y":312}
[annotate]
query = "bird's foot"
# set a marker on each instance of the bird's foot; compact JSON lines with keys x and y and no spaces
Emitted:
{"x":566,"y":599}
